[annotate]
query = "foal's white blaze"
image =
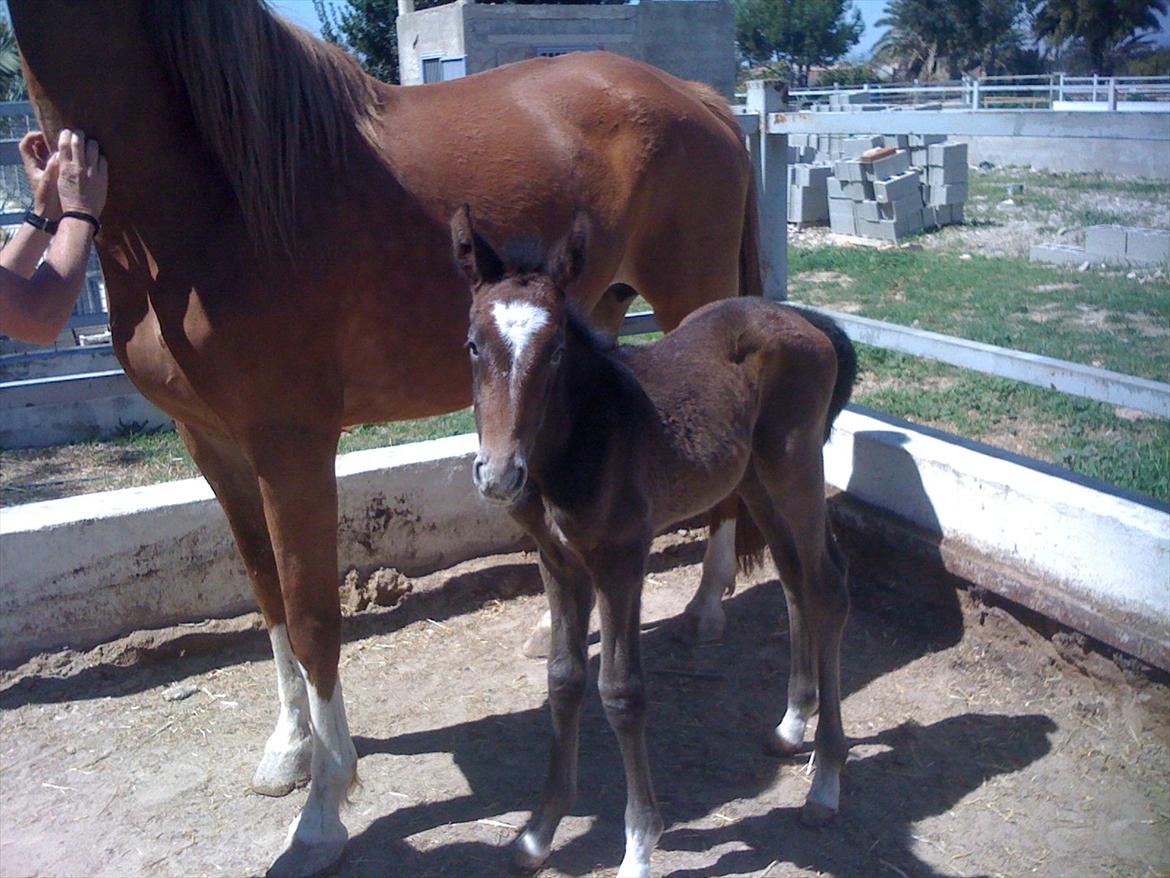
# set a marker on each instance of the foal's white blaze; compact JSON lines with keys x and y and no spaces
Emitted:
{"x":319,"y":826}
{"x":518,"y":322}
{"x":290,"y":746}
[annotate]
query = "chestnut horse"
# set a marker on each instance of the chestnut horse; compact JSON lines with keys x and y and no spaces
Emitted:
{"x":277,"y":258}
{"x":594,"y":448}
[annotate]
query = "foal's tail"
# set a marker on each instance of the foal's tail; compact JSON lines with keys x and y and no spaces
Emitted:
{"x":846,"y":363}
{"x":751,"y":281}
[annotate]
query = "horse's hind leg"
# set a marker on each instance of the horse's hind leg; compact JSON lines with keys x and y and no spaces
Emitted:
{"x":289,"y":749}
{"x":296,"y":471}
{"x":788,"y":504}
{"x":570,"y":597}
{"x":704,"y":618}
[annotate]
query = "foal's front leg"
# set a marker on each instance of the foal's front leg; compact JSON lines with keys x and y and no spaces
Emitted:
{"x":623,"y":695}
{"x":570,"y":598}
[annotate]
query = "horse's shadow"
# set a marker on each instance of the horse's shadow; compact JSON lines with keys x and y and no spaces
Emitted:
{"x":705,"y":735}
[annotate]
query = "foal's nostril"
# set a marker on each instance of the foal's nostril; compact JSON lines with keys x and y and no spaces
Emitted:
{"x":519,"y":476}
{"x":477,"y":471}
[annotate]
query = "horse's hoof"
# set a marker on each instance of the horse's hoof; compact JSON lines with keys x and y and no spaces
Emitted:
{"x":538,"y":644}
{"x":774,"y":745}
{"x":280,"y":773}
{"x":816,"y":815}
{"x":303,"y":860}
{"x":698,"y":629}
{"x":527,"y":855}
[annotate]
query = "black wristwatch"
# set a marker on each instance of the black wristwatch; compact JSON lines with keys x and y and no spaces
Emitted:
{"x":43,"y":223}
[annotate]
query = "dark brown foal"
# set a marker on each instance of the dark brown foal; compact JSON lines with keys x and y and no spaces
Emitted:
{"x":594,"y":448}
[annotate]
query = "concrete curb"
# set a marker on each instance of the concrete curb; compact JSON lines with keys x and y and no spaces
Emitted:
{"x":82,"y":570}
{"x":79,"y":571}
{"x":1084,"y":555}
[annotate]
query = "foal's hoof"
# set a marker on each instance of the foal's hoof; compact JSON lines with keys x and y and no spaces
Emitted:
{"x":303,"y":860}
{"x":527,"y":855}
{"x":816,"y":815}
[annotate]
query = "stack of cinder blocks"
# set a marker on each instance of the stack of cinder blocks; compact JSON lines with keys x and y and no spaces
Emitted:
{"x":879,"y":192}
{"x":1112,"y":245}
{"x":808,"y":196}
{"x":946,"y":183}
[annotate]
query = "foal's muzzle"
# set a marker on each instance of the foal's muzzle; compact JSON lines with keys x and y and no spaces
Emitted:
{"x":499,"y":481}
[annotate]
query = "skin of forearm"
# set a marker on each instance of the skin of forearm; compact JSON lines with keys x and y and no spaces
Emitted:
{"x":43,"y":305}
{"x":23,"y":251}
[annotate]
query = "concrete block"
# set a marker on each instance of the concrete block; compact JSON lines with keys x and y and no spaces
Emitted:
{"x":836,"y":188}
{"x":955,"y":194}
{"x":945,"y":155}
{"x":898,"y":188}
{"x":897,"y":141}
{"x":1147,"y":245}
{"x":918,"y":157}
{"x":813,"y":175}
{"x":867,"y":210}
{"x":807,"y":204}
{"x":848,"y":171}
{"x":841,"y":220}
{"x":1105,"y":241}
{"x":908,"y":207}
{"x":925,"y":140}
{"x":855,"y":146}
{"x":890,"y":166}
{"x":891,"y":229}
{"x":957,"y":217}
{"x":1057,"y":254}
{"x":945,"y":176}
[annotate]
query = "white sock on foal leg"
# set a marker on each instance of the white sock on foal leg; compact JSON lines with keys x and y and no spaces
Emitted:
{"x":636,"y":862}
{"x":287,"y":755}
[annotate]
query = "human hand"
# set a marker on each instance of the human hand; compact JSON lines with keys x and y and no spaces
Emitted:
{"x":41,"y":166}
{"x":82,"y":178}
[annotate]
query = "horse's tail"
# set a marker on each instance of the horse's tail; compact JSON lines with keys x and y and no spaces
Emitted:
{"x":846,"y":363}
{"x":751,"y":281}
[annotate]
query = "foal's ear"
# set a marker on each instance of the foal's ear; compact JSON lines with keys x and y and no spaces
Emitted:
{"x":472,"y":253}
{"x":567,"y":260}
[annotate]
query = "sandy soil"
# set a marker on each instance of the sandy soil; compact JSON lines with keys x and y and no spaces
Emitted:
{"x":980,"y":747}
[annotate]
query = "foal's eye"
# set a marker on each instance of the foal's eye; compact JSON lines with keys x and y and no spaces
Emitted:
{"x":472,"y":349}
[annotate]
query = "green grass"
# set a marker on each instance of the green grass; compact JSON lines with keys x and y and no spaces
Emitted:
{"x":1104,"y":320}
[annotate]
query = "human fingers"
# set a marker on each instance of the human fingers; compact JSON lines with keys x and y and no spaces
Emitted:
{"x":92,"y":153}
{"x":33,"y":148}
{"x":65,"y":145}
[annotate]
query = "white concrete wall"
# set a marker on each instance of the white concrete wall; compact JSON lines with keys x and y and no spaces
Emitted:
{"x":78,"y":571}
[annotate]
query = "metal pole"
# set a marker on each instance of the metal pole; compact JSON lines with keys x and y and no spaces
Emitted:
{"x":1060,"y":89}
{"x":1112,"y":93}
{"x":766,"y":96}
{"x":975,"y":93}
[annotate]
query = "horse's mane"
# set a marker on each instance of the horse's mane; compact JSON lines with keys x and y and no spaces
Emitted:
{"x":267,"y":98}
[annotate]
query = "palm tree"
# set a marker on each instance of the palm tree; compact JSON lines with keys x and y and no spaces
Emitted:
{"x":1109,"y":31}
{"x":12,"y":86}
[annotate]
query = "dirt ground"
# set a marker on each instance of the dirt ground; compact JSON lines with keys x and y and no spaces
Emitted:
{"x":979,"y":746}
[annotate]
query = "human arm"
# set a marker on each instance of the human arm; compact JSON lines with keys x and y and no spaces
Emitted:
{"x":23,"y":252}
{"x":36,"y":309}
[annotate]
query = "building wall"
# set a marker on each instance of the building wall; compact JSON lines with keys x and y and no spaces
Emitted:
{"x":693,"y":39}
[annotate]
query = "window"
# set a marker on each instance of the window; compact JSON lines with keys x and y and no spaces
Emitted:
{"x":443,"y":69}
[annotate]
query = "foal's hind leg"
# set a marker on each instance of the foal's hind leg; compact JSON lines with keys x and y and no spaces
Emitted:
{"x":789,"y":506}
{"x":704,"y":619}
{"x":289,"y":750}
{"x":570,"y":597}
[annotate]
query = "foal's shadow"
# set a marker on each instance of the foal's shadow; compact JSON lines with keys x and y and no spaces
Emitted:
{"x":708,"y":713}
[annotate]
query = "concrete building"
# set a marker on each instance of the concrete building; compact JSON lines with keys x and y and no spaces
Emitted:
{"x":693,"y":39}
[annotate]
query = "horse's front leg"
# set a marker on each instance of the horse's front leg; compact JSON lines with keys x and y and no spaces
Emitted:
{"x":623,"y":695}
{"x":570,"y":598}
{"x":287,"y":754}
{"x":296,"y":471}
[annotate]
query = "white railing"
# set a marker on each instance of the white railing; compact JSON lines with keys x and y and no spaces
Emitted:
{"x":1047,"y":91}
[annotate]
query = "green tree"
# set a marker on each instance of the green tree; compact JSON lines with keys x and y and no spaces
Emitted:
{"x":799,"y":34}
{"x":1108,"y":31}
{"x":12,"y":86}
{"x":942,"y":39}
